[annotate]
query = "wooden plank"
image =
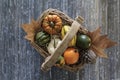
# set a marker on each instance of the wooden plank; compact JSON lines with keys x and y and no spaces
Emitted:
{"x":19,"y":61}
{"x":113,"y":29}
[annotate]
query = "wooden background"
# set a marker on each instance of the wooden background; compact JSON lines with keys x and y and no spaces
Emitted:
{"x":19,"y":61}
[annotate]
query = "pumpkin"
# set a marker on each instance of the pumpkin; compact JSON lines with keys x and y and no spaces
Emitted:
{"x":42,"y":38}
{"x":83,"y":41}
{"x":52,"y":24}
{"x":60,"y":61}
{"x":51,"y":49}
{"x":71,"y":56}
{"x":64,"y":30}
{"x":53,"y":44}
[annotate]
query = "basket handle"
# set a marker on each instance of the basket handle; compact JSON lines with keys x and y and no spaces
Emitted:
{"x":51,"y":60}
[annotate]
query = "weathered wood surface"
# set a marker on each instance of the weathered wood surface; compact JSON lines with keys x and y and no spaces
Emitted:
{"x":19,"y":61}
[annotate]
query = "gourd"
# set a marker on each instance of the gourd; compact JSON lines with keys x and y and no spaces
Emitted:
{"x":42,"y":38}
{"x":64,"y":30}
{"x":52,"y":24}
{"x":71,"y":55}
{"x":51,"y":48}
{"x":53,"y":44}
{"x":60,"y":61}
{"x":83,"y":41}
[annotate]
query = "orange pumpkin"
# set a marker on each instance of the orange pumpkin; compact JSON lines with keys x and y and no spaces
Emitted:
{"x":71,"y":56}
{"x":52,"y":24}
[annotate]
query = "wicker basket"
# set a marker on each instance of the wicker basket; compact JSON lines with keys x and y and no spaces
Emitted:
{"x":50,"y":60}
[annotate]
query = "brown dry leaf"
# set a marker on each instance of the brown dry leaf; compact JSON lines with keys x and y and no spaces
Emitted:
{"x":30,"y":29}
{"x":36,"y":25}
{"x":100,"y":42}
{"x":94,"y":35}
{"x":99,"y":51}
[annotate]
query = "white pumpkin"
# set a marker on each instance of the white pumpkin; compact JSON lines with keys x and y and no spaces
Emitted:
{"x":53,"y":44}
{"x":51,"y":49}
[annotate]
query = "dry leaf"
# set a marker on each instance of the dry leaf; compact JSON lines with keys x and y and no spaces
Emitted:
{"x":99,"y":51}
{"x":100,"y":42}
{"x":30,"y":29}
{"x":94,"y":35}
{"x":36,"y":25}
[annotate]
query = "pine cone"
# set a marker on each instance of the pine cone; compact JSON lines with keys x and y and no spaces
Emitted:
{"x":88,"y":57}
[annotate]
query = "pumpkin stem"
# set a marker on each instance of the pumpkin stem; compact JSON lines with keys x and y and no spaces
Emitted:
{"x":75,"y":50}
{"x":54,"y":42}
{"x":52,"y":24}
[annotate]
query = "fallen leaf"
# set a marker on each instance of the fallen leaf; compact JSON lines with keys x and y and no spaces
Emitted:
{"x":30,"y":29}
{"x":100,"y":42}
{"x":95,"y":34}
{"x":99,"y":51}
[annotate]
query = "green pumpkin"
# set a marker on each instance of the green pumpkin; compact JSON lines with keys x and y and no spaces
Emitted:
{"x":83,"y":41}
{"x":42,"y":38}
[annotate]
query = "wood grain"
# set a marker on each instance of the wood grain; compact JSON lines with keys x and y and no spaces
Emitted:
{"x":19,"y":61}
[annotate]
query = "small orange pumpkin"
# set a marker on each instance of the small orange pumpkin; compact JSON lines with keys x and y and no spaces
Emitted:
{"x":52,"y":24}
{"x":71,"y":56}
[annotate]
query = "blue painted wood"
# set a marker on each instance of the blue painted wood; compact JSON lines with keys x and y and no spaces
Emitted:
{"x":20,"y":61}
